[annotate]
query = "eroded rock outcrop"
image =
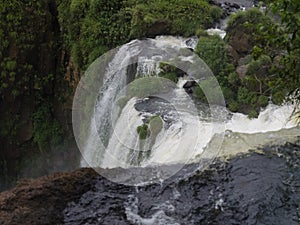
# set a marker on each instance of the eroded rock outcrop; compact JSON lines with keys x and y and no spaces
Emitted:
{"x":42,"y":201}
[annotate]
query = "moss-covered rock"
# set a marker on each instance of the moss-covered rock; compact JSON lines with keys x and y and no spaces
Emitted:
{"x":245,"y":29}
{"x":143,"y":131}
{"x":155,"y":125}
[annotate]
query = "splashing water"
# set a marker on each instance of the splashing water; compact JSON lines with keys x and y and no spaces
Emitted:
{"x":184,"y":135}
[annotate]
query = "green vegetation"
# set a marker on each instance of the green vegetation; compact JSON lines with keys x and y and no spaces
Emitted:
{"x":29,"y":46}
{"x":143,"y":131}
{"x":170,"y":72}
{"x":90,"y":28}
{"x":288,"y":41}
{"x":177,"y":17}
{"x":253,"y":25}
{"x":155,"y":125}
{"x":93,"y":27}
{"x":272,"y":59}
{"x":211,"y":50}
{"x":47,"y":131}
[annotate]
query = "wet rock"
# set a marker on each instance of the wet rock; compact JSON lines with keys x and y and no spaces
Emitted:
{"x":190,"y":84}
{"x":241,"y":71}
{"x":192,"y":42}
{"x":232,"y":55}
{"x":240,"y":41}
{"x":41,"y":201}
{"x":256,"y":188}
{"x":245,"y":60}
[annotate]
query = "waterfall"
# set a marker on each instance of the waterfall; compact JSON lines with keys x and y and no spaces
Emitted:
{"x":100,"y":128}
{"x":187,"y":132}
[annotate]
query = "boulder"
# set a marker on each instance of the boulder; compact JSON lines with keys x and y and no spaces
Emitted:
{"x":190,"y":84}
{"x":245,"y":60}
{"x":240,"y":41}
{"x":42,"y":201}
{"x":232,"y":55}
{"x":241,"y":71}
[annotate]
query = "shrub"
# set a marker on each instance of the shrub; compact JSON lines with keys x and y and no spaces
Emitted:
{"x":212,"y":50}
{"x":233,"y":106}
{"x":253,"y":114}
{"x":142,"y":131}
{"x":233,"y":79}
{"x":245,"y":96}
{"x":246,"y":21}
{"x":278,"y":97}
{"x":181,"y":17}
{"x":254,"y":25}
{"x":263,"y":101}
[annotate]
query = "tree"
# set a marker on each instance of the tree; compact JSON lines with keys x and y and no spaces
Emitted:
{"x":289,"y":41}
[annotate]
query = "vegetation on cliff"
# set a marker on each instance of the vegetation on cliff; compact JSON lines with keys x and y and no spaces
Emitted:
{"x":91,"y":28}
{"x":46,"y":44}
{"x":251,"y":66}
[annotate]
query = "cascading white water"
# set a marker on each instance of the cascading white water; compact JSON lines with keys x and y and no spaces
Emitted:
{"x":182,"y":139}
{"x":114,"y":81}
{"x":272,"y":118}
{"x":216,"y":31}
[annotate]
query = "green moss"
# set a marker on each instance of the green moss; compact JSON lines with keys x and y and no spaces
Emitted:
{"x":155,"y":125}
{"x":200,"y":32}
{"x":142,"y":131}
{"x":166,"y":67}
{"x":171,"y":76}
{"x":147,"y":86}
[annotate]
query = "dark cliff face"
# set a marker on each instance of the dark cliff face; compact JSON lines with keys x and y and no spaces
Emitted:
{"x":249,"y":189}
{"x":37,"y":83}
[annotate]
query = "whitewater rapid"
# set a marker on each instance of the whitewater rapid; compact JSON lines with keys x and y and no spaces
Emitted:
{"x":187,"y":134}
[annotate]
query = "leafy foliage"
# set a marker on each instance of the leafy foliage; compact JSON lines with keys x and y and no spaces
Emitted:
{"x":47,"y":131}
{"x":29,"y":45}
{"x":93,"y":27}
{"x":212,"y":50}
{"x":142,"y":131}
{"x":181,"y":17}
